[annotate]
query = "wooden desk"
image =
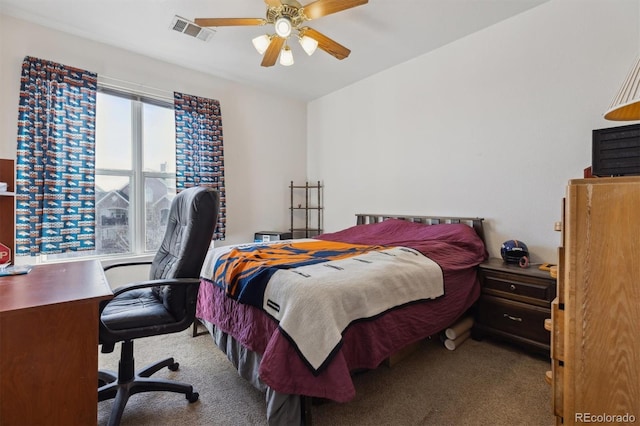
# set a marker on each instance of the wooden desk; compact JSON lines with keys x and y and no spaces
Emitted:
{"x":49,"y":344}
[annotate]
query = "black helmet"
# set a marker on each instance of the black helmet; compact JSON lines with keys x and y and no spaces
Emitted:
{"x":512,"y":251}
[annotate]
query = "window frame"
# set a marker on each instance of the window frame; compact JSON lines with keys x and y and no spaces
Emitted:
{"x":137,"y":175}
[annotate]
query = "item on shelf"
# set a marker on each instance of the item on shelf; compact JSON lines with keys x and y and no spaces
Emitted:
{"x":3,"y":186}
{"x":5,"y":255}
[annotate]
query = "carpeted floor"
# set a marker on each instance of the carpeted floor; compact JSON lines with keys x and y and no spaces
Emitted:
{"x":480,"y":383}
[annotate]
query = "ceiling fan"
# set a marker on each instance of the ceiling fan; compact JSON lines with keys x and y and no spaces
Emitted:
{"x":288,"y":16}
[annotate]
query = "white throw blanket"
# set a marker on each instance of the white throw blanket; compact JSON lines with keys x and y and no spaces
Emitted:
{"x":216,"y":253}
{"x":314,"y":304}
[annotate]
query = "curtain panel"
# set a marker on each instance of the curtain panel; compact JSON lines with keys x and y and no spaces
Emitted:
{"x":55,"y":164}
{"x":199,"y":149}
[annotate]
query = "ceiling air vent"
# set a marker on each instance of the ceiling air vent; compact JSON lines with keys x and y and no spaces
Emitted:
{"x":187,"y":27}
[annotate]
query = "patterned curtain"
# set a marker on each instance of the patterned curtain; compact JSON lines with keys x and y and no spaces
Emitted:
{"x":199,"y":149}
{"x":55,"y":159}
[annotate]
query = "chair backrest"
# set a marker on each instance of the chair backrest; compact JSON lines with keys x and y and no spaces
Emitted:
{"x":192,"y":221}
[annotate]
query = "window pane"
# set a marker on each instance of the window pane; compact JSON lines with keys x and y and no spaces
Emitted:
{"x":113,"y":211}
{"x":159,"y":139}
{"x":159,"y":193}
{"x":113,"y":132}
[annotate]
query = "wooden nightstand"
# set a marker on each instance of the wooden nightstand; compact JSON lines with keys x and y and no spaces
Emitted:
{"x":514,"y":304}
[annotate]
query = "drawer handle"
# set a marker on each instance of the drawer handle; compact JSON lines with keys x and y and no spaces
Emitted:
{"x":512,"y":287}
{"x":512,"y":318}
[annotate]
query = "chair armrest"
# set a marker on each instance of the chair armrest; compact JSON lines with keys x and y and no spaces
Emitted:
{"x":118,"y":265}
{"x":154,"y":283}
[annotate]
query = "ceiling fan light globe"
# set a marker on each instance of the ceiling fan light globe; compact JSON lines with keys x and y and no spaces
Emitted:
{"x":308,"y":44}
{"x":283,"y":27}
{"x":286,"y":56}
{"x":261,"y":43}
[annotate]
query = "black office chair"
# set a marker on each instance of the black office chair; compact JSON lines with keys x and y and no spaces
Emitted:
{"x":164,"y":304}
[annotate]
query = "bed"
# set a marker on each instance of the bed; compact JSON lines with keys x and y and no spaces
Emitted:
{"x":298,"y":317}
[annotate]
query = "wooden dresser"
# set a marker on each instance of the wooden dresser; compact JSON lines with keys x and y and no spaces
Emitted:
{"x":595,"y":339}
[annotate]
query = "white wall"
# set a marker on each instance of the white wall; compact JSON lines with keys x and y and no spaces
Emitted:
{"x":260,"y":157}
{"x":493,"y":125}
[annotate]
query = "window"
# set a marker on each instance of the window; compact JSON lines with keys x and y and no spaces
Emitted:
{"x":128,"y":146}
{"x":135,"y":173}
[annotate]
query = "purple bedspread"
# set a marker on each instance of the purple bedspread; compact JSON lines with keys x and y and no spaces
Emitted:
{"x":452,"y":246}
{"x":455,"y":247}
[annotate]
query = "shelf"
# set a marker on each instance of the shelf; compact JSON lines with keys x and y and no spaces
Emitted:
{"x":308,"y":199}
{"x":7,"y":206}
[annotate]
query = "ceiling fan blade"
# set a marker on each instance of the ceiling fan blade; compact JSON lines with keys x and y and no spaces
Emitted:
{"x":321,"y":8}
{"x":325,"y":43}
{"x":272,"y":52}
{"x":228,"y":22}
{"x":273,"y":3}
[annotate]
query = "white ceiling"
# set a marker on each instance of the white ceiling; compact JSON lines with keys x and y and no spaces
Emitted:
{"x":380,"y":34}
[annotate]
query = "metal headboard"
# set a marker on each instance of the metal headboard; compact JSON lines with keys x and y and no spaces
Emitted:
{"x":474,"y":222}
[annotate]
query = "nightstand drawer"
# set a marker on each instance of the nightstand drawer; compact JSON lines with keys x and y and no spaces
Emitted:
{"x":514,"y":318}
{"x":522,"y":288}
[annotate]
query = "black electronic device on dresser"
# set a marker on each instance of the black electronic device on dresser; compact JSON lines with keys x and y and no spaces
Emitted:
{"x":616,"y":151}
{"x":514,"y":304}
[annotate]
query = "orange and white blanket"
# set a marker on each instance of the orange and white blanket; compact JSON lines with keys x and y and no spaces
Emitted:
{"x":324,"y":288}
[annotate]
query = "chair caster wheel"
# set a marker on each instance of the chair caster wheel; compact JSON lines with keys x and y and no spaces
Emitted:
{"x":193,"y":397}
{"x":174,"y":366}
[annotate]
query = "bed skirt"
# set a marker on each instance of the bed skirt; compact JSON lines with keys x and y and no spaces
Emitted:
{"x":282,"y":409}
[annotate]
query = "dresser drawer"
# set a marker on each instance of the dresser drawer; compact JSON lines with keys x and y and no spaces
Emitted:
{"x":523,"y":288}
{"x":514,"y":318}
